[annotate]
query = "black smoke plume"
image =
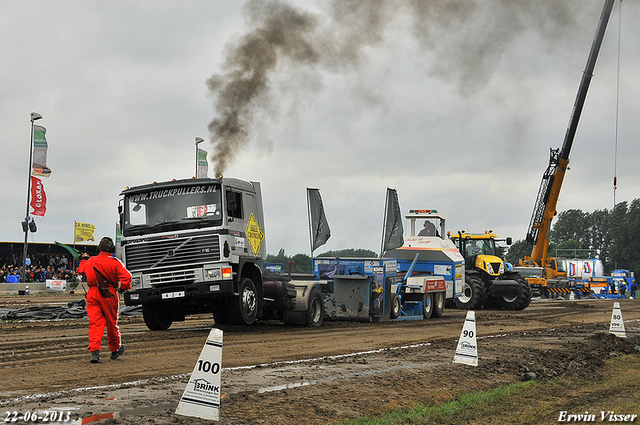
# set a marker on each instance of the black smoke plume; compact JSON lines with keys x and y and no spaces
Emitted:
{"x":468,"y":36}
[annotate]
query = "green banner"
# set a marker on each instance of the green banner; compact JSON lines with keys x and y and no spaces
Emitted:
{"x":76,"y":254}
{"x":40,"y":152}
{"x":203,"y":165}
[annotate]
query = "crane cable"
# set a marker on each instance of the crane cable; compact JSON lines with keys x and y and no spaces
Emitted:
{"x":615,"y":149}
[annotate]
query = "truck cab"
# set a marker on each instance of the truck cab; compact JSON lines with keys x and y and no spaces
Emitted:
{"x":194,"y":246}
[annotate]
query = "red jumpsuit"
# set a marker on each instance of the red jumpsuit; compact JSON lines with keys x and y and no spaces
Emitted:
{"x":104,"y":311}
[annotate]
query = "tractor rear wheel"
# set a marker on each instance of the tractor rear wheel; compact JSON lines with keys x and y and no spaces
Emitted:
{"x":473,"y":294}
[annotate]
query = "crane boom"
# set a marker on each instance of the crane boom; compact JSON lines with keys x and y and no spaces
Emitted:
{"x":547,"y":199}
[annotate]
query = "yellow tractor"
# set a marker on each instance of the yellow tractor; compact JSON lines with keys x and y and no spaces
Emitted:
{"x":488,"y":283}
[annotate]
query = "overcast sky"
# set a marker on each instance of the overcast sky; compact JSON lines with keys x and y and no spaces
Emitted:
{"x":454,"y":104}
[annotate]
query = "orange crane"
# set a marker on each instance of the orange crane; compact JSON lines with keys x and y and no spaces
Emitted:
{"x":547,"y":199}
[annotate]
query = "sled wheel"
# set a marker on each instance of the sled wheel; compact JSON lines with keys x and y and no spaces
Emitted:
{"x":315,"y":312}
{"x":438,"y":304}
{"x":395,"y":306}
{"x":427,"y":305}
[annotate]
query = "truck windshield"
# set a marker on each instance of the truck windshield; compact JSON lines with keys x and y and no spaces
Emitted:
{"x":562,"y":265}
{"x":167,"y":209}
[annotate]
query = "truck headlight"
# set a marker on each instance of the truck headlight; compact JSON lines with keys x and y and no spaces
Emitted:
{"x":134,"y":296}
{"x":213,"y":274}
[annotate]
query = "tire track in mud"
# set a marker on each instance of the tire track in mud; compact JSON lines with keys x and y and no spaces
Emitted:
{"x":67,"y":339}
{"x":49,"y":356}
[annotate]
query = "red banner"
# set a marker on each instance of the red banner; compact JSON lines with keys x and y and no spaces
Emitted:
{"x":38,"y":197}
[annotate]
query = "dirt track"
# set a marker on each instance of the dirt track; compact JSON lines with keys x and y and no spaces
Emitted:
{"x":45,"y":364}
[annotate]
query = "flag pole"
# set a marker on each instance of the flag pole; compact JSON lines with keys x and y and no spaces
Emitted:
{"x":25,"y":224}
{"x":309,"y":217}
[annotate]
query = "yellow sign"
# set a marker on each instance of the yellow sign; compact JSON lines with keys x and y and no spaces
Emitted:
{"x":83,"y":232}
{"x":254,"y":235}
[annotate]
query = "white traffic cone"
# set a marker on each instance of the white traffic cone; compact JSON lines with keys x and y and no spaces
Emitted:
{"x":201,"y":397}
{"x":467,"y":351}
{"x":617,"y":323}
{"x":572,"y":296}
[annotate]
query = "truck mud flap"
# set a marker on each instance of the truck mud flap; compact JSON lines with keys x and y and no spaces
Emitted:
{"x":505,"y":288}
{"x":279,"y":295}
{"x":277,"y":289}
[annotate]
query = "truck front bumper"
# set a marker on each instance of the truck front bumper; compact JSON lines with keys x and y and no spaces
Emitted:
{"x":179,"y":292}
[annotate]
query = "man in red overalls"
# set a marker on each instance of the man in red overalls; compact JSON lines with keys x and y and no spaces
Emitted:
{"x":106,"y":277}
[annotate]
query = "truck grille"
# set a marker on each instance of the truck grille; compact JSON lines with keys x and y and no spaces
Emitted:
{"x":171,"y":253}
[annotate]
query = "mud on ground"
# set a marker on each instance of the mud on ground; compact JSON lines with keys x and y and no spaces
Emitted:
{"x":274,"y":374}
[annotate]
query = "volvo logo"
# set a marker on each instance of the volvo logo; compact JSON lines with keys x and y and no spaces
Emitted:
{"x":132,"y":241}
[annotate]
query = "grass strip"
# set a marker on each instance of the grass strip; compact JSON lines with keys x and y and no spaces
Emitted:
{"x":615,"y":388}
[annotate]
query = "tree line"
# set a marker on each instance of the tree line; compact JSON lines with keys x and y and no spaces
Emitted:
{"x":301,"y":263}
{"x":613,"y":236}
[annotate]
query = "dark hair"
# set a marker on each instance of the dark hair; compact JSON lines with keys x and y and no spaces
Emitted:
{"x":106,"y":245}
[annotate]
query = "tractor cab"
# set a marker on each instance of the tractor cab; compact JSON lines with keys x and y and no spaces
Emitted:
{"x":481,"y":252}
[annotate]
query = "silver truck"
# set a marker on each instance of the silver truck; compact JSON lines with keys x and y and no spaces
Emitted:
{"x":196,"y":246}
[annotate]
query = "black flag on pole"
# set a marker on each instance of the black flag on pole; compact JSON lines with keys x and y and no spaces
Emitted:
{"x":393,"y":230}
{"x":318,"y":225}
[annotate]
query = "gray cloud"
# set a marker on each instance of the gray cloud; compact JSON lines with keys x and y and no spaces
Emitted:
{"x":469,"y":39}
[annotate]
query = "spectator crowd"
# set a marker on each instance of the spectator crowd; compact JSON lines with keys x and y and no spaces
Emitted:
{"x":40,"y":267}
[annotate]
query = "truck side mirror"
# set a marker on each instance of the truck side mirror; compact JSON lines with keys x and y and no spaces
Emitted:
{"x":509,"y":240}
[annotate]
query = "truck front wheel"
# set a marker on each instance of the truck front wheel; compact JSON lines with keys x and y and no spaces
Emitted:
{"x":243,"y":309}
{"x":156,"y":316}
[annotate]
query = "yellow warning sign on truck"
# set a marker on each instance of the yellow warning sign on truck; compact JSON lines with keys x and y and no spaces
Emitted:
{"x":254,"y":235}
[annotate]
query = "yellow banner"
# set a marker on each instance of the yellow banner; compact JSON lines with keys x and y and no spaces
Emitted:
{"x":84,"y":232}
